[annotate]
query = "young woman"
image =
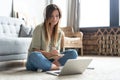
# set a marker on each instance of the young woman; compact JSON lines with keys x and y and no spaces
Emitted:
{"x":44,"y":51}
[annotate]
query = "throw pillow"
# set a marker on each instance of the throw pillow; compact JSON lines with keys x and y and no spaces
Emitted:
{"x":25,"y":31}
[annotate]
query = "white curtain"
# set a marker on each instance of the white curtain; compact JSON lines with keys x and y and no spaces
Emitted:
{"x":74,"y":14}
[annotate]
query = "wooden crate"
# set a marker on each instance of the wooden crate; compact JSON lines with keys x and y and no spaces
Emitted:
{"x":89,"y":43}
{"x":104,"y":41}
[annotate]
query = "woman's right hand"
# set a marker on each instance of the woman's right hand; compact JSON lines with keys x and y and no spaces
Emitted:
{"x":47,"y":54}
{"x":54,"y":52}
{"x":51,"y":55}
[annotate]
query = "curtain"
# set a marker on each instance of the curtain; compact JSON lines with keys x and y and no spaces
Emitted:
{"x":74,"y":14}
{"x":12,"y":9}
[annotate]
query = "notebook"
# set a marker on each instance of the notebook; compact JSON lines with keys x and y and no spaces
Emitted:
{"x":72,"y":66}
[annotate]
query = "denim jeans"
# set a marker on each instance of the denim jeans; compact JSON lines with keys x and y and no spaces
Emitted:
{"x":37,"y":60}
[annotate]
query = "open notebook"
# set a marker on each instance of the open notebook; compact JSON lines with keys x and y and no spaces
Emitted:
{"x":72,"y":66}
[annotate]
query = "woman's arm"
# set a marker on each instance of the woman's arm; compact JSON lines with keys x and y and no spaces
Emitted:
{"x":45,"y":53}
{"x":48,"y":55}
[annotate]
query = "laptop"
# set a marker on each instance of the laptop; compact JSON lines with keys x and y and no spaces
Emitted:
{"x":72,"y":66}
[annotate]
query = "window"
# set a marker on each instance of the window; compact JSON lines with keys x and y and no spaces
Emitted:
{"x":94,"y":13}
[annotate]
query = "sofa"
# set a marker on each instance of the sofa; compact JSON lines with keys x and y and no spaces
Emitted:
{"x":15,"y":39}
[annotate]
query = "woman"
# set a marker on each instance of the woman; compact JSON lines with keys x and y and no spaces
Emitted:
{"x":44,"y":51}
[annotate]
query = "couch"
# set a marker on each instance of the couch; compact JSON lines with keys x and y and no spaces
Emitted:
{"x":15,"y":38}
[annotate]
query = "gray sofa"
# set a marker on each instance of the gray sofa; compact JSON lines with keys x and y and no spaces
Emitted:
{"x":15,"y":38}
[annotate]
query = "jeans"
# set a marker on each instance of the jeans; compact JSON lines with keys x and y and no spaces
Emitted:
{"x":37,"y":60}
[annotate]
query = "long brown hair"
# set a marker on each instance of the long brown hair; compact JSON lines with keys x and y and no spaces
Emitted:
{"x":48,"y":12}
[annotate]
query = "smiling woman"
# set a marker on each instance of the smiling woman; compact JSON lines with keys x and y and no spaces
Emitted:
{"x":44,"y":51}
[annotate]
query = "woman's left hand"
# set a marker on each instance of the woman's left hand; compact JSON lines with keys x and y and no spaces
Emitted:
{"x":54,"y":52}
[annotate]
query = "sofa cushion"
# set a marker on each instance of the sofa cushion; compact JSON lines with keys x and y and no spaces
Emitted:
{"x":13,"y":57}
{"x":10,"y":27}
{"x":14,"y":45}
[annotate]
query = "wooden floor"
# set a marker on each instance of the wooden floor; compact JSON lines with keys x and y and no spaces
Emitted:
{"x":105,"y":68}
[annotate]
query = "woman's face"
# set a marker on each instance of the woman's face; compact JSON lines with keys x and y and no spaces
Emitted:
{"x":54,"y":18}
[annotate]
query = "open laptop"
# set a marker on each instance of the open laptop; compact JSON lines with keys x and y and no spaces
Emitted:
{"x":72,"y":66}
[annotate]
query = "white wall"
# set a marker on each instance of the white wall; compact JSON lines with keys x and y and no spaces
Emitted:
{"x":31,"y":10}
{"x":5,"y":7}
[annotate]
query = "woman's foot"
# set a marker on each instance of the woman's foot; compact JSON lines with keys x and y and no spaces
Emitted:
{"x":54,"y":67}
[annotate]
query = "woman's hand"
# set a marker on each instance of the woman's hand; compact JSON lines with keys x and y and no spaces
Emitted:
{"x":52,"y":55}
{"x":46,"y":54}
{"x":56,"y":55}
{"x":54,"y":52}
